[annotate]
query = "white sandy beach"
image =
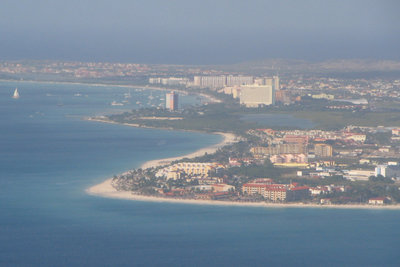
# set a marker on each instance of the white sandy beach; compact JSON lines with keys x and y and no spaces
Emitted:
{"x":105,"y":189}
{"x":228,"y":139}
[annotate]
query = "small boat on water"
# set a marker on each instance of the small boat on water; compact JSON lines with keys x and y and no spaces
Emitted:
{"x":115,"y":103}
{"x":128,"y":95}
{"x":16,"y":94}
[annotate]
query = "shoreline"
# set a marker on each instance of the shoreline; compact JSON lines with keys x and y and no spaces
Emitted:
{"x":145,"y":87}
{"x":229,"y":138}
{"x":105,"y":189}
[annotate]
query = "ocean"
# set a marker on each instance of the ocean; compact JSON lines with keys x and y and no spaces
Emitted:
{"x":49,"y":155}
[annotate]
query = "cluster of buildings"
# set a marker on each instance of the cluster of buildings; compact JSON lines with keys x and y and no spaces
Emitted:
{"x":188,"y":170}
{"x":295,"y":148}
{"x":391,"y":169}
{"x":275,"y":192}
{"x":355,"y":92}
{"x":308,"y":151}
{"x":251,"y":91}
{"x":75,"y":69}
{"x":255,"y":92}
{"x":329,"y":153}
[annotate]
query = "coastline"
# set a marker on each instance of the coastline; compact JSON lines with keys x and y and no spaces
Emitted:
{"x":146,"y":87}
{"x":105,"y":189}
{"x":229,"y":138}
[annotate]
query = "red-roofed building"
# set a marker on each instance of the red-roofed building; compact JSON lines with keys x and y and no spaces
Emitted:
{"x":277,"y":192}
{"x":267,"y":131}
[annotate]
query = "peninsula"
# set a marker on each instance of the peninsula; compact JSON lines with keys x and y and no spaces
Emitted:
{"x":319,"y":134}
{"x":334,"y":164}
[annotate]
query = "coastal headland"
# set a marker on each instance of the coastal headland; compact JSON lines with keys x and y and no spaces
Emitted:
{"x":107,"y":190}
{"x":239,"y":165}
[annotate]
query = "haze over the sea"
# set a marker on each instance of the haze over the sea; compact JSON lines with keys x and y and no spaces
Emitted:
{"x":198,"y":32}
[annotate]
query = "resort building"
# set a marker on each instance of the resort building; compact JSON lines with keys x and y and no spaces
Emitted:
{"x":222,"y":81}
{"x":257,"y":95}
{"x":279,"y":149}
{"x":194,"y":168}
{"x":276,"y":192}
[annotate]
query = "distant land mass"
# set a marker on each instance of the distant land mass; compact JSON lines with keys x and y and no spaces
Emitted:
{"x":334,"y":65}
{"x":138,"y":73}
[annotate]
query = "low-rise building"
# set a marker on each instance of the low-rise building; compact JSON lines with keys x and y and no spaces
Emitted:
{"x":194,"y":168}
{"x":326,"y":201}
{"x":222,"y":187}
{"x":358,"y":175}
{"x":377,"y":201}
{"x":355,"y":137}
{"x":277,"y":192}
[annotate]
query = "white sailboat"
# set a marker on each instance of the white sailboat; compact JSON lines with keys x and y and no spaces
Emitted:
{"x":128,"y":95}
{"x":16,"y":94}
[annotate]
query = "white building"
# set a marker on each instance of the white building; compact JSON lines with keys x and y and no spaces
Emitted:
{"x":239,"y":80}
{"x":210,"y":81}
{"x":222,"y":81}
{"x":169,"y":81}
{"x":388,"y":171}
{"x":358,"y":175}
{"x":256,"y":95}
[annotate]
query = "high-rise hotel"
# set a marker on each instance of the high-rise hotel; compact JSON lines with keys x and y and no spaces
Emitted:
{"x":171,"y":101}
{"x":255,"y":95}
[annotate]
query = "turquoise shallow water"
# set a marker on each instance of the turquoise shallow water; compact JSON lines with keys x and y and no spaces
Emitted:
{"x":48,"y":156}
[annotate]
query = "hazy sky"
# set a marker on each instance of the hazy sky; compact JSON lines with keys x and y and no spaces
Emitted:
{"x":198,"y":32}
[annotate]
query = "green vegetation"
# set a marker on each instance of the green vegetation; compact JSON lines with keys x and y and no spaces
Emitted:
{"x":226,"y":116}
{"x":210,"y":118}
{"x":331,"y":120}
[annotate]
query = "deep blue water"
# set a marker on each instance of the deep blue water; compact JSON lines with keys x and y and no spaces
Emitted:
{"x":49,"y":155}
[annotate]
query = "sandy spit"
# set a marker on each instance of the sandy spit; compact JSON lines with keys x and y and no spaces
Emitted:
{"x":105,"y":189}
